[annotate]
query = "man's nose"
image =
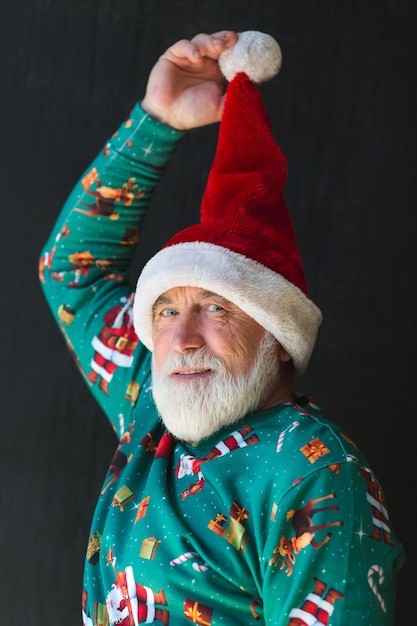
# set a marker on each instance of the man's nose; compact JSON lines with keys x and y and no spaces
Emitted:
{"x":188,"y":333}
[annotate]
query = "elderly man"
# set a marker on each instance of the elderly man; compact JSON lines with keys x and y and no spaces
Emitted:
{"x":230,"y":499}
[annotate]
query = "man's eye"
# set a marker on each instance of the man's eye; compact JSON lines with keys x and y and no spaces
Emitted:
{"x":215,"y":308}
{"x":168,"y":312}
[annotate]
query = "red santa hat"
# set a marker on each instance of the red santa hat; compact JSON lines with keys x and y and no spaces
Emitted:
{"x":244,"y":247}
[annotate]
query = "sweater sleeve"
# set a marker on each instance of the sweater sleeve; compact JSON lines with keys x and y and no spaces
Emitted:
{"x":84,"y":265}
{"x":332,"y":555}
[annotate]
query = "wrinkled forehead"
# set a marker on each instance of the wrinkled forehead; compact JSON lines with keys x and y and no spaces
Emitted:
{"x":189,"y":292}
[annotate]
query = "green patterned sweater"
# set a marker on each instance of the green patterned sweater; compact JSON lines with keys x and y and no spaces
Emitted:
{"x":278,"y":520}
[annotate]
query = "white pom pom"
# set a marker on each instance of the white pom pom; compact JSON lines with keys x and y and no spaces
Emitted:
{"x":257,"y":54}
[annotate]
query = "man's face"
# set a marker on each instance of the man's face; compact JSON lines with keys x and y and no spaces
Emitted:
{"x":186,"y":319}
{"x":212,"y":363}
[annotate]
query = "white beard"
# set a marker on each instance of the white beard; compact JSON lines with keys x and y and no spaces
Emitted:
{"x":197,"y":409}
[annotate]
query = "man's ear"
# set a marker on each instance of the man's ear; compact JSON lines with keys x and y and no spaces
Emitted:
{"x":283,"y":355}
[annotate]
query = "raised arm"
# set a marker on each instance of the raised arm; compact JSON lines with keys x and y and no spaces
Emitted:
{"x":84,"y":265}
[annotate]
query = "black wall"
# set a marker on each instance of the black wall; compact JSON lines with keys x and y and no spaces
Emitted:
{"x":343,"y":109}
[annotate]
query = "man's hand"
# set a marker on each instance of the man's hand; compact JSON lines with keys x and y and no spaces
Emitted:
{"x":186,"y":87}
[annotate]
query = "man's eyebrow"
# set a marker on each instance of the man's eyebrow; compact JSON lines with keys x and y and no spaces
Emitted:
{"x":213,"y":294}
{"x":161,"y":301}
{"x":206,"y":295}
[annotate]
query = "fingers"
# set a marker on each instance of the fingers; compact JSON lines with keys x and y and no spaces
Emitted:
{"x":203,"y":45}
{"x":213,"y":45}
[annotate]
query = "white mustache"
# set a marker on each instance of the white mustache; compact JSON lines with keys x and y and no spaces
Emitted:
{"x":196,"y":361}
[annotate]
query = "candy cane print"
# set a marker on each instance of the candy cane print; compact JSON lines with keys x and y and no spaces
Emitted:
{"x":283,"y":433}
{"x":183,"y":557}
{"x":121,"y":424}
{"x":377,"y":569}
{"x":200,"y":567}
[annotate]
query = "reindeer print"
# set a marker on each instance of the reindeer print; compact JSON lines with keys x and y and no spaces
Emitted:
{"x":304,"y":533}
{"x":106,"y":197}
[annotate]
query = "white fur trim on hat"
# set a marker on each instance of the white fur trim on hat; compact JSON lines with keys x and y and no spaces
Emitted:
{"x":272,"y":301}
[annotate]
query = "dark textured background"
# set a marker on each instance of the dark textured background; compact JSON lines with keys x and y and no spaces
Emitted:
{"x":343,"y":110}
